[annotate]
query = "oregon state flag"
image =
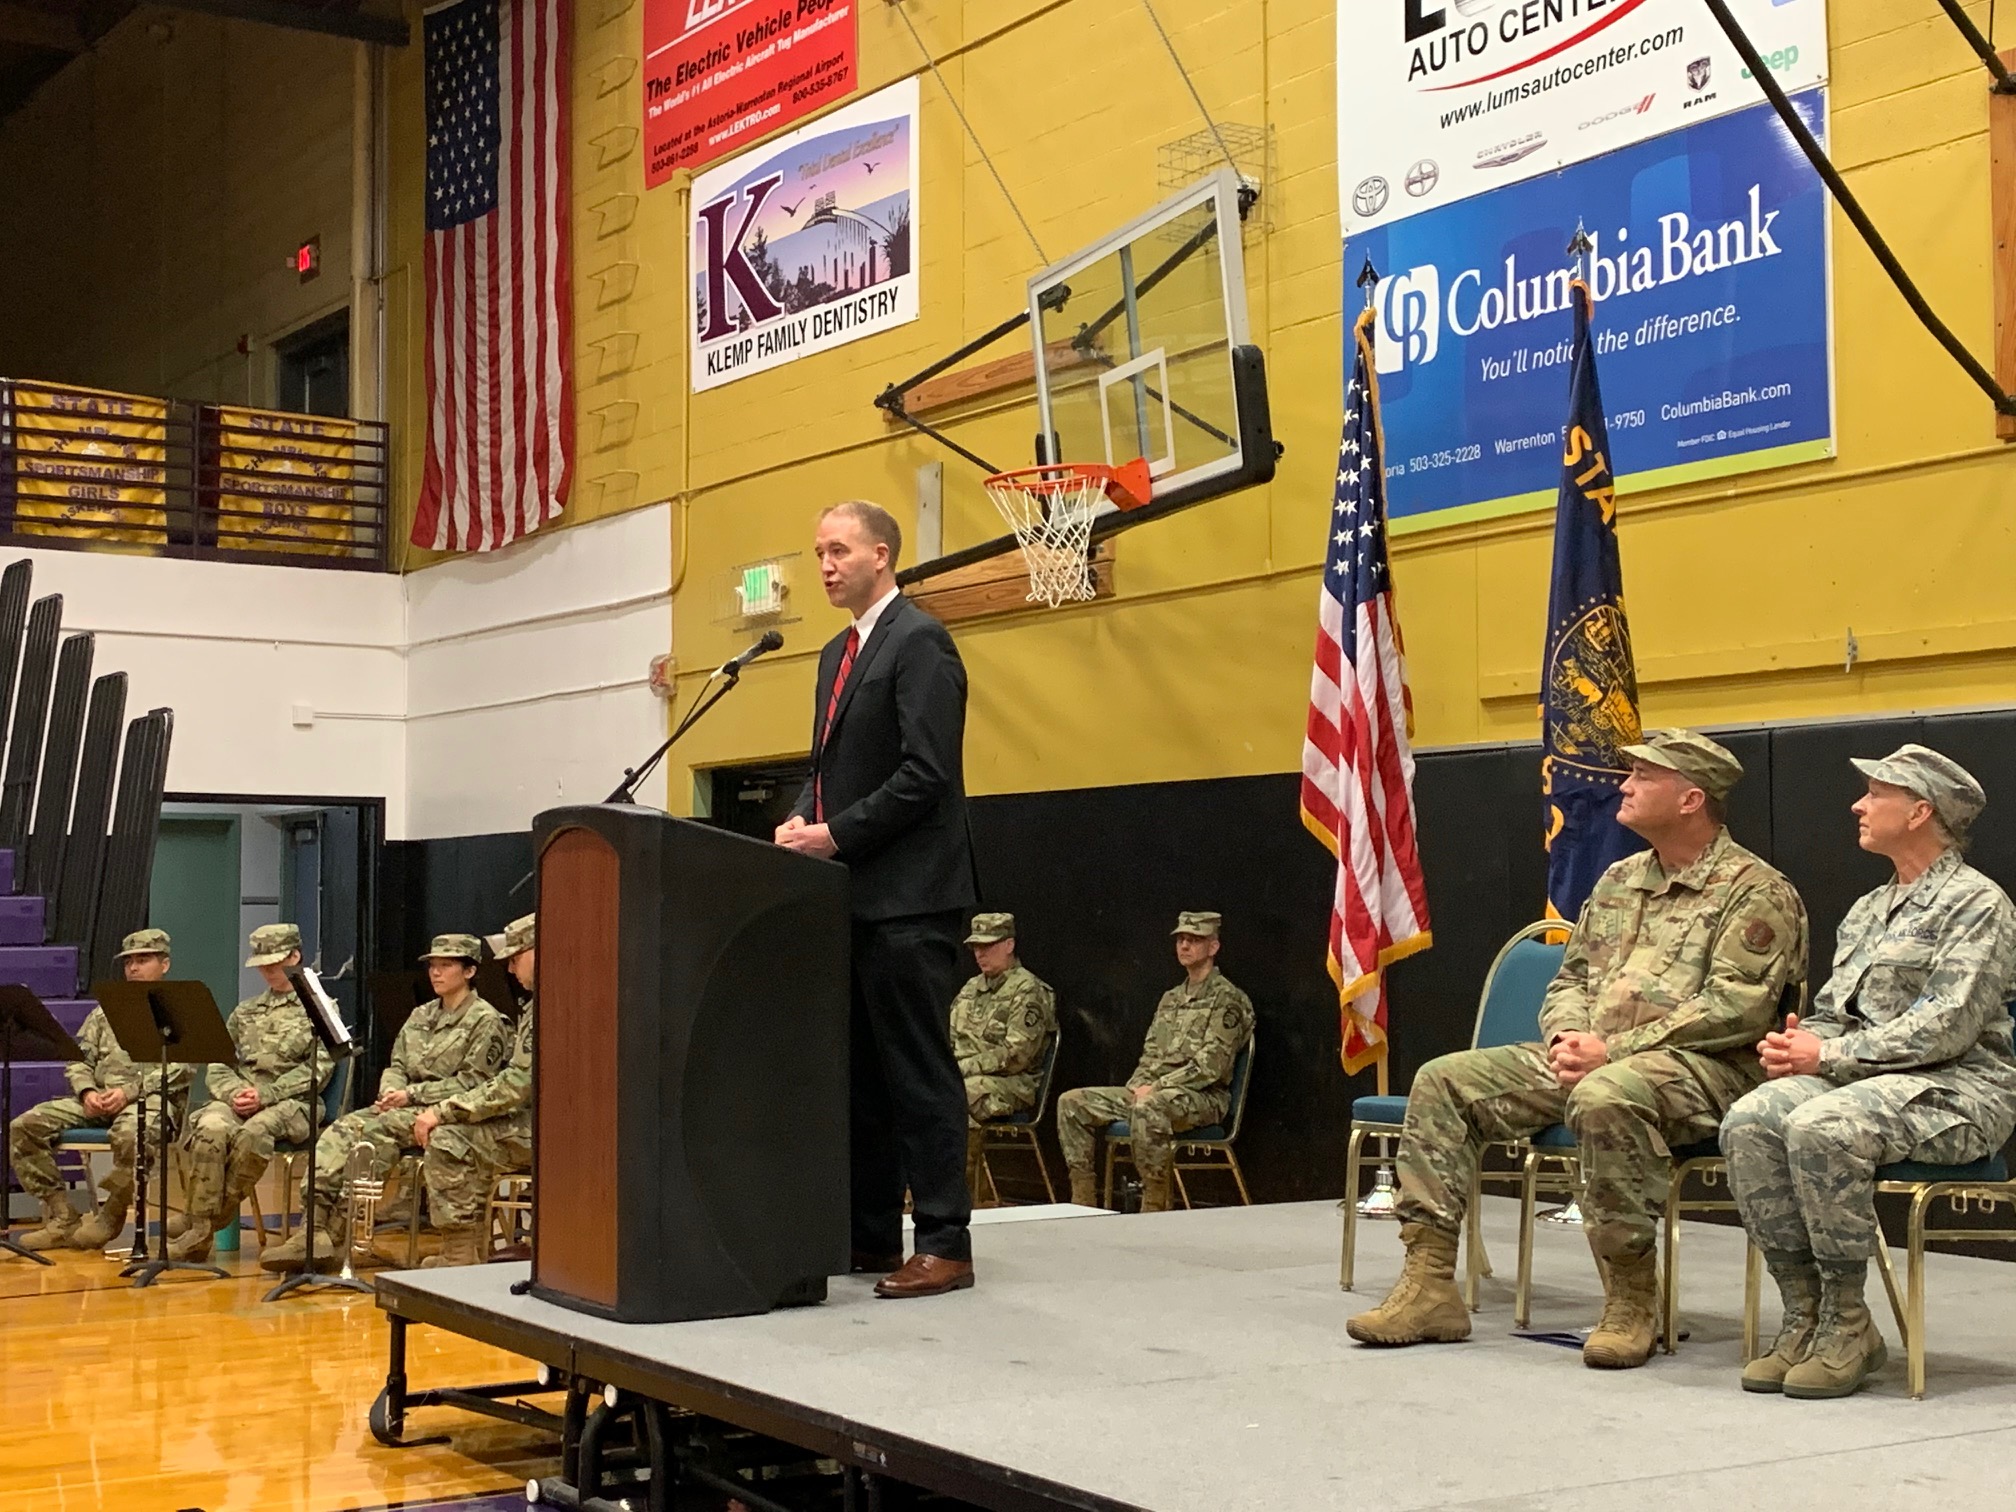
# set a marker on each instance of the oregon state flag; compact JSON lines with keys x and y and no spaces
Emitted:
{"x":1588,"y":685}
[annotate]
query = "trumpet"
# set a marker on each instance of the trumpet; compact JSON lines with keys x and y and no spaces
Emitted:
{"x":362,"y":1192}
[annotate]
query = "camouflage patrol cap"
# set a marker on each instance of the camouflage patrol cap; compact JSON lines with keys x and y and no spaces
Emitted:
{"x":1203,"y":925}
{"x":1694,"y":756}
{"x":989,"y":928}
{"x":143,"y":942}
{"x":1940,"y":780}
{"x":273,"y":943}
{"x":461,"y":947}
{"x":517,"y":938}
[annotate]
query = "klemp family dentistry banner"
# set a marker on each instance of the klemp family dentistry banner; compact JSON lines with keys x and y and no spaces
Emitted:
{"x":805,"y":244}
{"x":1438,"y":100}
{"x":1712,"y":321}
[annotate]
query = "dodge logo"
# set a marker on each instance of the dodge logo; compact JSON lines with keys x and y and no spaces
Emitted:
{"x":1698,"y":72}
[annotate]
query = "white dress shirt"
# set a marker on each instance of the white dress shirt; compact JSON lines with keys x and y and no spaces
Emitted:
{"x":865,"y":625}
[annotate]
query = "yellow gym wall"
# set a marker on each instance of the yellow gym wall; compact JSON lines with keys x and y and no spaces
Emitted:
{"x":1741,"y":593}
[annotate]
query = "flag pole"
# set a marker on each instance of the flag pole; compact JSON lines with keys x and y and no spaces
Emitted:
{"x":1368,"y":280}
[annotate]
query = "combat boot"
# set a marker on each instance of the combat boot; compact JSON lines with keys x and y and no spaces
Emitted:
{"x":59,"y":1222}
{"x":1799,"y":1295}
{"x":178,"y":1225}
{"x":292,"y":1252}
{"x":194,"y":1242}
{"x":459,"y":1246}
{"x":101,"y":1228}
{"x":1155,"y":1194}
{"x":1084,"y":1188}
{"x":1847,"y":1346}
{"x":1424,"y":1306}
{"x":1624,"y":1338}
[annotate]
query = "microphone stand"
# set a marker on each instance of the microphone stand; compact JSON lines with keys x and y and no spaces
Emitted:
{"x":626,"y":790}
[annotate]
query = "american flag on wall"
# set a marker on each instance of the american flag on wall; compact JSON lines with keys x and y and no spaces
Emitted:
{"x":1357,"y":766}
{"x":500,"y":387}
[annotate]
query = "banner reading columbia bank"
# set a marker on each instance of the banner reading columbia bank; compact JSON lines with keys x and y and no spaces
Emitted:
{"x":1441,"y":99}
{"x":1712,"y":321}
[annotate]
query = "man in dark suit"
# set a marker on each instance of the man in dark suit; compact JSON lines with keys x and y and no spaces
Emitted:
{"x":887,"y":797}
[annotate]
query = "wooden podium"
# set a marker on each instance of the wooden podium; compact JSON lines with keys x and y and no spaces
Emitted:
{"x":689,"y":1085}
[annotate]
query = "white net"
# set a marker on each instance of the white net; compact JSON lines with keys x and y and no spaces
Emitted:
{"x":1051,"y":510}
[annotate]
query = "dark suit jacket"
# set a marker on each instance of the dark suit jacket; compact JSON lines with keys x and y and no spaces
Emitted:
{"x":893,"y":767}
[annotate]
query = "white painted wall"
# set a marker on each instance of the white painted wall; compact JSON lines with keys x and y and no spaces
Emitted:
{"x":468,"y":696}
{"x":527,"y":673}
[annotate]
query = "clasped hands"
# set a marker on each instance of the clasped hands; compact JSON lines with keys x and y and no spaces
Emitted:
{"x":1790,"y":1051}
{"x":807,"y":839}
{"x":1574,"y":1055}
{"x":107,"y":1104}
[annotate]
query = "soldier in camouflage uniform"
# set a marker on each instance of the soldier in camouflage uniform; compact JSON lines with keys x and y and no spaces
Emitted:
{"x":1184,"y":1078}
{"x":449,"y":1045}
{"x":108,"y":1088}
{"x":261,"y":1099}
{"x":1905,"y":1056}
{"x":476,"y":1136}
{"x":1674,"y":968}
{"x":1002,"y":1023}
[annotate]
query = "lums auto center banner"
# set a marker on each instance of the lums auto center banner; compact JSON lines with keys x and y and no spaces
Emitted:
{"x":1438,"y":100}
{"x":1712,"y":322}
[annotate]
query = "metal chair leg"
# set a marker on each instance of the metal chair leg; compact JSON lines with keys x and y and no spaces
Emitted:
{"x":1347,"y":1261}
{"x":1042,"y":1169}
{"x":413,"y":1216}
{"x":1473,"y":1252}
{"x":1669,"y":1278}
{"x":1914,"y":1343}
{"x":1182,"y":1191}
{"x":1238,"y":1176}
{"x":1753,"y":1286}
{"x":1522,"y":1295}
{"x":1889,"y":1275}
{"x":1107,"y":1198}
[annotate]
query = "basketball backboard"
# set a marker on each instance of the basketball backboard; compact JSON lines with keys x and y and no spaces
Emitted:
{"x":1140,"y":341}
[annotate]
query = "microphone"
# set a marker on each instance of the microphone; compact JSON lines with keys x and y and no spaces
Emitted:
{"x":769,"y":642}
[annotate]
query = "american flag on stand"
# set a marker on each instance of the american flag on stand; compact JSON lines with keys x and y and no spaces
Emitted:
{"x":1357,"y":766}
{"x":500,"y":390}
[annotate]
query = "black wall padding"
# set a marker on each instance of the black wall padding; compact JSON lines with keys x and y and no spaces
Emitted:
{"x":31,"y":712}
{"x":14,"y":589}
{"x":59,"y":767}
{"x":136,"y":825}
{"x":1095,"y":878}
{"x":91,"y":813}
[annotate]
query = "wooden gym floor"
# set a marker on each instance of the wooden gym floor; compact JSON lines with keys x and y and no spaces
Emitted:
{"x":193,"y":1394}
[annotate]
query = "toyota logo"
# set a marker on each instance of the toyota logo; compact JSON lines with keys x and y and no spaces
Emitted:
{"x":1423,"y":177}
{"x":1369,"y":198}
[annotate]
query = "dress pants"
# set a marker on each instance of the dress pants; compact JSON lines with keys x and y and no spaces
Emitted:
{"x":908,"y":1120}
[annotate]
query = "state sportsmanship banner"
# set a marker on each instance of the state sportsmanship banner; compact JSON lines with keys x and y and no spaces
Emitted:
{"x":1441,"y":99}
{"x":88,"y":464}
{"x":1712,"y":324}
{"x":285,"y":483}
{"x":806,"y":243}
{"x":718,"y":72}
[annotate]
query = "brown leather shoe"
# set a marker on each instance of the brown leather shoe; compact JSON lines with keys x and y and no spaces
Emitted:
{"x":865,"y":1263}
{"x":927,"y":1276}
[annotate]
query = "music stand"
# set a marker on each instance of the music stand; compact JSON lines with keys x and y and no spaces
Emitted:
{"x":167,"y":1023}
{"x":30,"y":1031}
{"x":333,"y":1035}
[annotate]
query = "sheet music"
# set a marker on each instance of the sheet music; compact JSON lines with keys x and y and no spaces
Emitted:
{"x":318,"y":1002}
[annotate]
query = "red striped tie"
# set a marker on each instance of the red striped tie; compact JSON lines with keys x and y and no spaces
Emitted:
{"x":832,"y":708}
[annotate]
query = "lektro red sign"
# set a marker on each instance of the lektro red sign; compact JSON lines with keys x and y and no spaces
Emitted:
{"x":718,"y":73}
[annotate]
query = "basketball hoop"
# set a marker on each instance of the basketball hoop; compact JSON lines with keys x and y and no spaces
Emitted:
{"x":1051,"y":509}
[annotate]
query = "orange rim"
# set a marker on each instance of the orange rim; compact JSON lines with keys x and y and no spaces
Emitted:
{"x":1127,"y":486}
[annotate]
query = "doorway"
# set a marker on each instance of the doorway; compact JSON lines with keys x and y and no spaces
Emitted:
{"x":312,"y":374}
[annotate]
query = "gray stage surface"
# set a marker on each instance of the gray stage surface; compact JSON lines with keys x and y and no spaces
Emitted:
{"x":1197,"y":1362}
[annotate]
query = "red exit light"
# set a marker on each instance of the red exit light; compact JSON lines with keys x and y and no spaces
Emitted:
{"x":308,"y":258}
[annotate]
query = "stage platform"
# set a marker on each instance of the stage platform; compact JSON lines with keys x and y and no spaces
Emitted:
{"x":1197,"y":1362}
